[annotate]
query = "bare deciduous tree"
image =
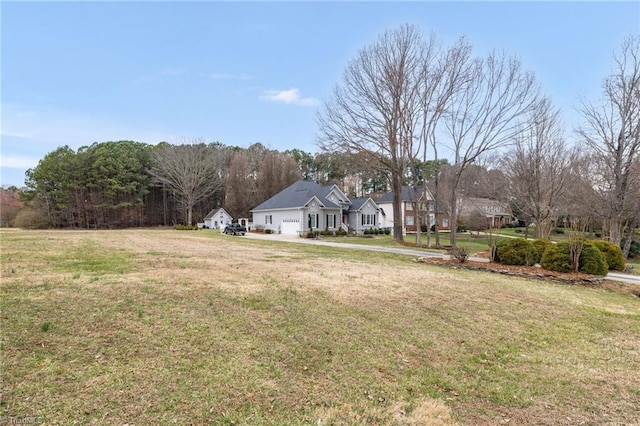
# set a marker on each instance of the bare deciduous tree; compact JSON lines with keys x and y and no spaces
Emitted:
{"x":612,"y":131}
{"x":276,"y":173}
{"x":239,"y":186}
{"x":375,"y":110}
{"x":191,"y":171}
{"x":487,"y":112}
{"x":538,"y":168}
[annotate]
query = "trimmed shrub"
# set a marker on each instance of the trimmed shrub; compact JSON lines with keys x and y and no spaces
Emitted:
{"x":557,"y":258}
{"x":592,"y":260}
{"x":268,"y":230}
{"x":341,"y":232}
{"x":462,"y":227}
{"x":559,"y":230}
{"x":516,"y":251}
{"x":612,"y":254}
{"x":541,"y":246}
{"x":387,"y":231}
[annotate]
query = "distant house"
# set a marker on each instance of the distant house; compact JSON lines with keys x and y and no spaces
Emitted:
{"x":496,"y":213}
{"x":409,"y":217}
{"x":217,"y":219}
{"x":306,"y":205}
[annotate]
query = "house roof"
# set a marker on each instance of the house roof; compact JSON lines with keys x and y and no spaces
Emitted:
{"x":215,"y":212}
{"x":485,"y":206}
{"x":408,"y":194}
{"x":358,"y":203}
{"x":298,"y":195}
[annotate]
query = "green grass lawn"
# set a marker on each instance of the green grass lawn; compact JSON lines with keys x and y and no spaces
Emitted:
{"x":162,"y":327}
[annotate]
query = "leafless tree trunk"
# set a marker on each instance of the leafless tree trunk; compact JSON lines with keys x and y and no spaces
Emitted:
{"x":538,"y":169}
{"x":441,"y":77}
{"x":238,"y":186}
{"x":375,"y":110}
{"x":192,"y":170}
{"x":487,"y":113}
{"x":612,"y":131}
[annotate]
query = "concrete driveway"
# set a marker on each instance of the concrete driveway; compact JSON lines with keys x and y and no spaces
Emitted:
{"x":613,"y":276}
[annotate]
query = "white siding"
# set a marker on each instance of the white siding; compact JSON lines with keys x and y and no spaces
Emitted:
{"x":276,"y":217}
{"x":387,"y":220}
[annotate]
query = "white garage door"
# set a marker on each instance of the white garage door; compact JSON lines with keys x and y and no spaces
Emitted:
{"x":290,"y":226}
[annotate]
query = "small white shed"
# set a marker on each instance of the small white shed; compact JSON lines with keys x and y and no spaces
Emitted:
{"x":217,"y":219}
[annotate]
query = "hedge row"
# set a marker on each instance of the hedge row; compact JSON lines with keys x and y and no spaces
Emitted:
{"x":596,"y":258}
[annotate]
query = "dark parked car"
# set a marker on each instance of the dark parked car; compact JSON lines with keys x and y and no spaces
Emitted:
{"x":235,"y":229}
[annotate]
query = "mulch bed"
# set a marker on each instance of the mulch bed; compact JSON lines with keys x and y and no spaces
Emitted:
{"x":536,"y":273}
{"x":517,"y":271}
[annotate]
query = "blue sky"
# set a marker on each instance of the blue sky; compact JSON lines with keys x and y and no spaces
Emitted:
{"x":75,"y":73}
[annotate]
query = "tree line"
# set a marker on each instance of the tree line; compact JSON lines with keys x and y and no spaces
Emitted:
{"x":119,"y":184}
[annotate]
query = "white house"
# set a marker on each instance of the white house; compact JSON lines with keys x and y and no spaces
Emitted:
{"x":306,"y":205}
{"x":409,"y":217}
{"x":217,"y":219}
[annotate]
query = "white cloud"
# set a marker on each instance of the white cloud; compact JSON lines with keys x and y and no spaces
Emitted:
{"x":18,"y":161}
{"x":291,"y":96}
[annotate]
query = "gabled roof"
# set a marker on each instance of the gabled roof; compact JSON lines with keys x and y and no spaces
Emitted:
{"x":215,"y":212}
{"x":298,"y":195}
{"x":485,"y":206}
{"x":408,"y":194}
{"x":358,"y":203}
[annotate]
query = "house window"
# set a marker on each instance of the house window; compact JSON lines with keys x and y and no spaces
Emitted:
{"x":410,"y":220}
{"x":313,"y":221}
{"x":268,"y":219}
{"x":445,"y":222}
{"x":331,"y":220}
{"x":409,"y":206}
{"x":368,"y":219}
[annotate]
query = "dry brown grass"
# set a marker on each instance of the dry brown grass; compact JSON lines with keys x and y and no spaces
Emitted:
{"x":198,"y":328}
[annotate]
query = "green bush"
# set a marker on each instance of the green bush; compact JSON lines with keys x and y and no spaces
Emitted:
{"x":557,"y":258}
{"x":612,"y":254}
{"x":516,"y":251}
{"x":341,"y":232}
{"x":268,"y":230}
{"x":462,"y":227}
{"x":592,"y":260}
{"x":387,"y":231}
{"x":541,"y":246}
{"x":312,"y":234}
{"x":187,"y":227}
{"x":634,"y":250}
{"x":559,"y":230}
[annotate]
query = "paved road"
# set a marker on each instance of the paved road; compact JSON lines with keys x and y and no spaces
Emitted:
{"x":614,"y":276}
